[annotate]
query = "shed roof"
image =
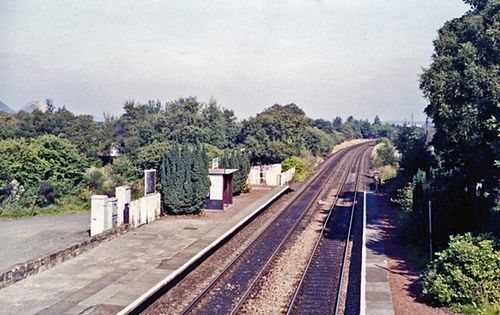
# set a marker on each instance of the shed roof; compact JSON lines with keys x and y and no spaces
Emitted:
{"x":221,"y":171}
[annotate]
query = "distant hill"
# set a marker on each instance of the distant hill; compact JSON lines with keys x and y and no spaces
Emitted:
{"x":4,"y":108}
{"x":31,"y":106}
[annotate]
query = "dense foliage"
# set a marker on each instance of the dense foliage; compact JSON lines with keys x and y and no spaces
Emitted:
{"x":236,"y":159}
{"x":184,"y":179}
{"x":463,"y":87}
{"x":466,"y":273}
{"x":457,"y":169}
{"x":297,"y":163}
{"x":73,"y":153}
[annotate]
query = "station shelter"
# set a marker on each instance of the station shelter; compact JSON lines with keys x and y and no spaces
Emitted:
{"x":221,"y":188}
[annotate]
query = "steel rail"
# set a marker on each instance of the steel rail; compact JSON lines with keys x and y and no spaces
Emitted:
{"x":340,"y":155}
{"x":287,"y":238}
{"x":318,"y":241}
{"x":346,"y":248}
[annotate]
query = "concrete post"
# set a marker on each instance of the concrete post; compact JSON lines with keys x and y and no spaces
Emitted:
{"x":97,"y":212}
{"x":111,"y":215}
{"x":124,"y":196}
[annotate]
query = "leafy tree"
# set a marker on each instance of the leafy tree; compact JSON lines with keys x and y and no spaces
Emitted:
{"x":20,"y":161}
{"x":296,"y":162}
{"x":151,"y":155}
{"x":324,"y":125}
{"x":386,"y":155}
{"x":123,"y":167}
{"x":411,"y":143}
{"x":215,"y":125}
{"x":318,"y":142}
{"x":377,"y":121}
{"x":64,"y":164}
{"x":463,"y":87}
{"x":337,"y":123}
{"x":275,"y":133}
{"x":185,"y":121}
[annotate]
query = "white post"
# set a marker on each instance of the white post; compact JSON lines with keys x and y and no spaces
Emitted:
{"x":430,"y":230}
{"x":110,"y":219}
{"x":97,"y":212}
{"x":124,"y":196}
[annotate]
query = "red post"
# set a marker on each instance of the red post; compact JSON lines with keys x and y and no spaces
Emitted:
{"x":231,"y":183}
{"x":223,"y":192}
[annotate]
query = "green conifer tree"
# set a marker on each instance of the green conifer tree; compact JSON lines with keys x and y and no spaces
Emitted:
{"x":184,"y":179}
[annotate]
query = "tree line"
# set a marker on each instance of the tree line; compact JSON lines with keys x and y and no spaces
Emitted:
{"x":144,"y":134}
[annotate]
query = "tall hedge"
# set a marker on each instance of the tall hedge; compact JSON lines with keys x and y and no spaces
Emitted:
{"x":239,"y":160}
{"x":184,"y":179}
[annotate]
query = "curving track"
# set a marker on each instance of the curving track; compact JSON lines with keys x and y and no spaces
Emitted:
{"x":324,"y":274}
{"x":226,"y":293}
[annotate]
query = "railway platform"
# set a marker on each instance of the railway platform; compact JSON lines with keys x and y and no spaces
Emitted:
{"x":376,"y":295}
{"x":108,"y":278}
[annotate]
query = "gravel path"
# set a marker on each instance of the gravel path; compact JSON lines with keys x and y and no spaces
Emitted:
{"x":403,"y":277}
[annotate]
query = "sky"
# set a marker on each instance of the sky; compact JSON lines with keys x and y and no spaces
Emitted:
{"x":331,"y":58}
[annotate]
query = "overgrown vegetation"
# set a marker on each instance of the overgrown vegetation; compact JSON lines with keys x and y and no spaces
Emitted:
{"x":59,"y":159}
{"x":457,"y":169}
{"x":465,"y":274}
{"x":237,"y":160}
{"x":385,"y":160}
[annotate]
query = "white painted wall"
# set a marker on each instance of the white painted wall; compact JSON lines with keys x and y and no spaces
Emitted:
{"x":216,"y":189}
{"x":124,"y":196}
{"x":145,"y":210}
{"x":269,"y":175}
{"x":254,"y":175}
{"x":287,"y":176}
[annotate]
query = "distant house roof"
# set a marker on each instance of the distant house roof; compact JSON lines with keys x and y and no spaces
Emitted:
{"x":113,"y":152}
{"x":222,"y":171}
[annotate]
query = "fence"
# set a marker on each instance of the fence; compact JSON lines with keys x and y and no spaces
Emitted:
{"x":270,"y":175}
{"x":110,"y":212}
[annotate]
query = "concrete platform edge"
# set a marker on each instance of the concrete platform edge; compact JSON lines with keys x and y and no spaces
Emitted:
{"x":132,"y":306}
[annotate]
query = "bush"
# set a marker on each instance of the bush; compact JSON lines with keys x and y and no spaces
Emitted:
{"x":247,"y":187}
{"x":124,"y":168}
{"x":48,"y":194}
{"x":465,"y":275}
{"x":385,"y":155}
{"x":297,"y":163}
{"x":94,"y":179}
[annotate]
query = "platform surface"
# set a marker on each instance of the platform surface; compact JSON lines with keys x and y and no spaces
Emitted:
{"x":30,"y":238}
{"x":107,"y":278}
{"x":377,"y":293}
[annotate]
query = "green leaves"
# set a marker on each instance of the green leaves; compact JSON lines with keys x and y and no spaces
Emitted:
{"x":45,"y":158}
{"x":184,"y":179}
{"x":238,"y":160}
{"x":465,"y":273}
{"x":463,"y":87}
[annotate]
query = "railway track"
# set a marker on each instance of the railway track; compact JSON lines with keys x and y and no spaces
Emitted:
{"x":325,"y":271}
{"x":226,"y":293}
